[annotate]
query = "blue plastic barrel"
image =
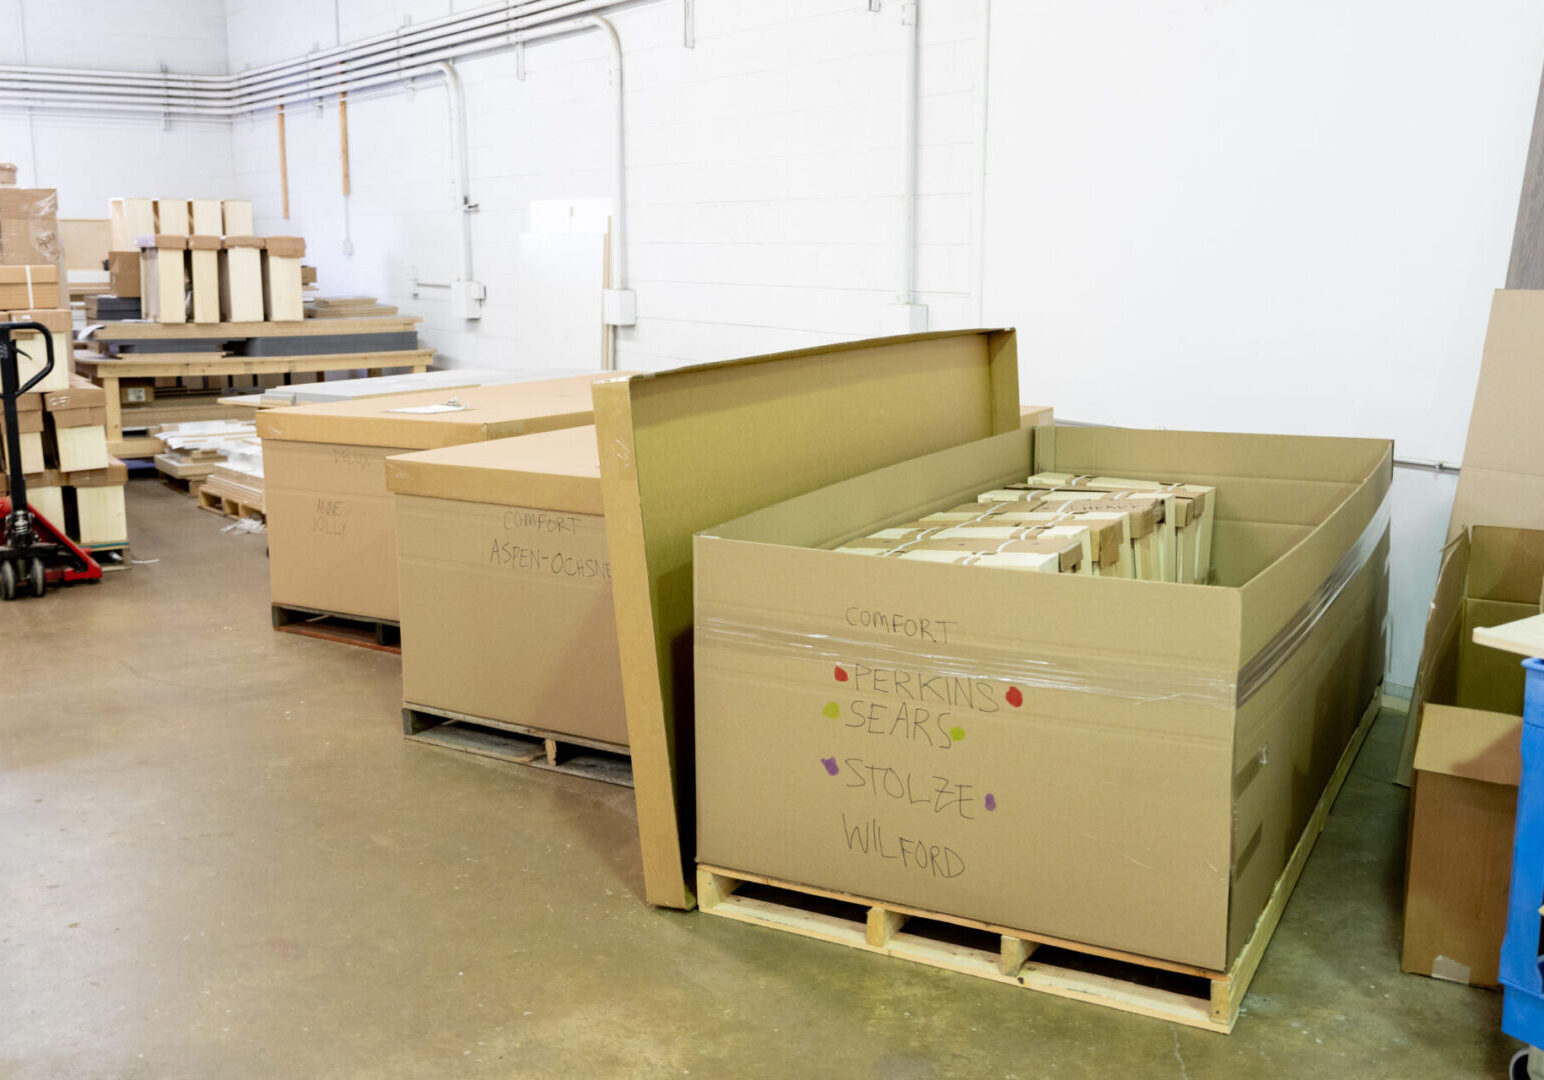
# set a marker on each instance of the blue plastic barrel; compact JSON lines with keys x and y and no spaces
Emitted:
{"x":1522,"y":953}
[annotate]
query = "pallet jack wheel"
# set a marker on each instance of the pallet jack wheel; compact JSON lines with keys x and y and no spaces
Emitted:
{"x":36,"y":577}
{"x":7,"y":580}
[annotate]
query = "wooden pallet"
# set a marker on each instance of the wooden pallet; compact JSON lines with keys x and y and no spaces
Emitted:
{"x":111,"y":557}
{"x":572,"y":754}
{"x":380,"y":634}
{"x":1168,"y":991}
{"x":224,"y":504}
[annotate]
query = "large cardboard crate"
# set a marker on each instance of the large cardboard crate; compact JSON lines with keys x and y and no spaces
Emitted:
{"x":1296,"y":628}
{"x":1111,"y":762}
{"x":505,"y":584}
{"x":331,"y":525}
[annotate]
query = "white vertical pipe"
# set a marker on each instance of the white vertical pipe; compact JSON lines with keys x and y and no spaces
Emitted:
{"x":910,"y":97}
{"x":455,"y":97}
{"x":983,"y":120}
{"x":618,"y":173}
{"x":618,"y":156}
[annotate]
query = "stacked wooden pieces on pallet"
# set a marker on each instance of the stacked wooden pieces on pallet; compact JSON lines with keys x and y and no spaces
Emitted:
{"x":200,"y":263}
{"x":222,"y":309}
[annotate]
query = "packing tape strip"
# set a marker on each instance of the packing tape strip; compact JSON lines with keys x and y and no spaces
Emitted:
{"x":1112,"y":674}
{"x":31,"y":300}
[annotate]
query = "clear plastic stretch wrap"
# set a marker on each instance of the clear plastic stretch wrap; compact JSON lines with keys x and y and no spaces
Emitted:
{"x":1134,"y":678}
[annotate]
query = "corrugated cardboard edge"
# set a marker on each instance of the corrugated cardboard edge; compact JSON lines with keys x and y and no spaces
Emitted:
{"x":655,"y":787}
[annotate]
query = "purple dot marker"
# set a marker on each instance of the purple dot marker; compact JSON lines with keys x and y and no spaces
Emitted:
{"x":990,"y":802}
{"x":830,"y":764}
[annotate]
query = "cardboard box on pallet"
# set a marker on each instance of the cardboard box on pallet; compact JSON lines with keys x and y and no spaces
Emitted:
{"x":331,"y":527}
{"x":1148,"y":786}
{"x":505,"y":584}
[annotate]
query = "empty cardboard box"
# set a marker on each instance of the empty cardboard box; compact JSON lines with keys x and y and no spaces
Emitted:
{"x":331,"y":526}
{"x":505,"y":585}
{"x":1464,"y":803}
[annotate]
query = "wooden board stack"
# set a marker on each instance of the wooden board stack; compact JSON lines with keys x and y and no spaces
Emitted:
{"x":1058,"y":523}
{"x":192,"y":451}
{"x":346,"y":307}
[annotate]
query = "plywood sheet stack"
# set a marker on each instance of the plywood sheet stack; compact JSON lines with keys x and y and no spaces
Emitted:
{"x":346,"y":307}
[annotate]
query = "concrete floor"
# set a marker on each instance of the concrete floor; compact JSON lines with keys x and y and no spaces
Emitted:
{"x":220,"y":859}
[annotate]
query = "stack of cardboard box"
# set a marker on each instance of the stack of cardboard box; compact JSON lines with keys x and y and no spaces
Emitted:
{"x":71,"y":479}
{"x":29,"y":231}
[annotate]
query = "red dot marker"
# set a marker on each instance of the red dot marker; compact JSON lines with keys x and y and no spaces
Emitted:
{"x":1013,"y":697}
{"x":841,"y":674}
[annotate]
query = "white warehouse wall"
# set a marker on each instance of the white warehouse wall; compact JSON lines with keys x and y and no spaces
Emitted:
{"x":1259,"y":217}
{"x":763,"y":171}
{"x":89,"y":157}
{"x":1264,"y":217}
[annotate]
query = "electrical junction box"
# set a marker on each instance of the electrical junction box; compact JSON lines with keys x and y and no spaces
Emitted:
{"x":466,"y":299}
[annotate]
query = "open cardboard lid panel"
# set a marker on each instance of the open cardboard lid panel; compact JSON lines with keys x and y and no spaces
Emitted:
{"x":550,"y":470}
{"x":687,"y":449}
{"x":1502,"y":482}
{"x":491,"y":412}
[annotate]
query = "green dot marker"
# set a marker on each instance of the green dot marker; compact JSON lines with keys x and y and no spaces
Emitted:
{"x":832,"y":710}
{"x":957,"y":733}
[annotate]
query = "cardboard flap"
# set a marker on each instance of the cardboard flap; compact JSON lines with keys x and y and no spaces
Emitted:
{"x":492,"y":412}
{"x":285,"y":247}
{"x":163,"y":240}
{"x":551,"y":470}
{"x":1506,"y":565}
{"x":1502,"y":480}
{"x":204,"y":243}
{"x":243,"y":242}
{"x":687,"y":449}
{"x":1471,"y":743}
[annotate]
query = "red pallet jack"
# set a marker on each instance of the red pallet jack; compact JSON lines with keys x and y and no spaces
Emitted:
{"x":33,"y":552}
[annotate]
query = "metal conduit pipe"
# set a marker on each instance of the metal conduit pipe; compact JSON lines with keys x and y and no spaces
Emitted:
{"x":466,"y":293}
{"x":383,"y":60}
{"x":619,"y":305}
